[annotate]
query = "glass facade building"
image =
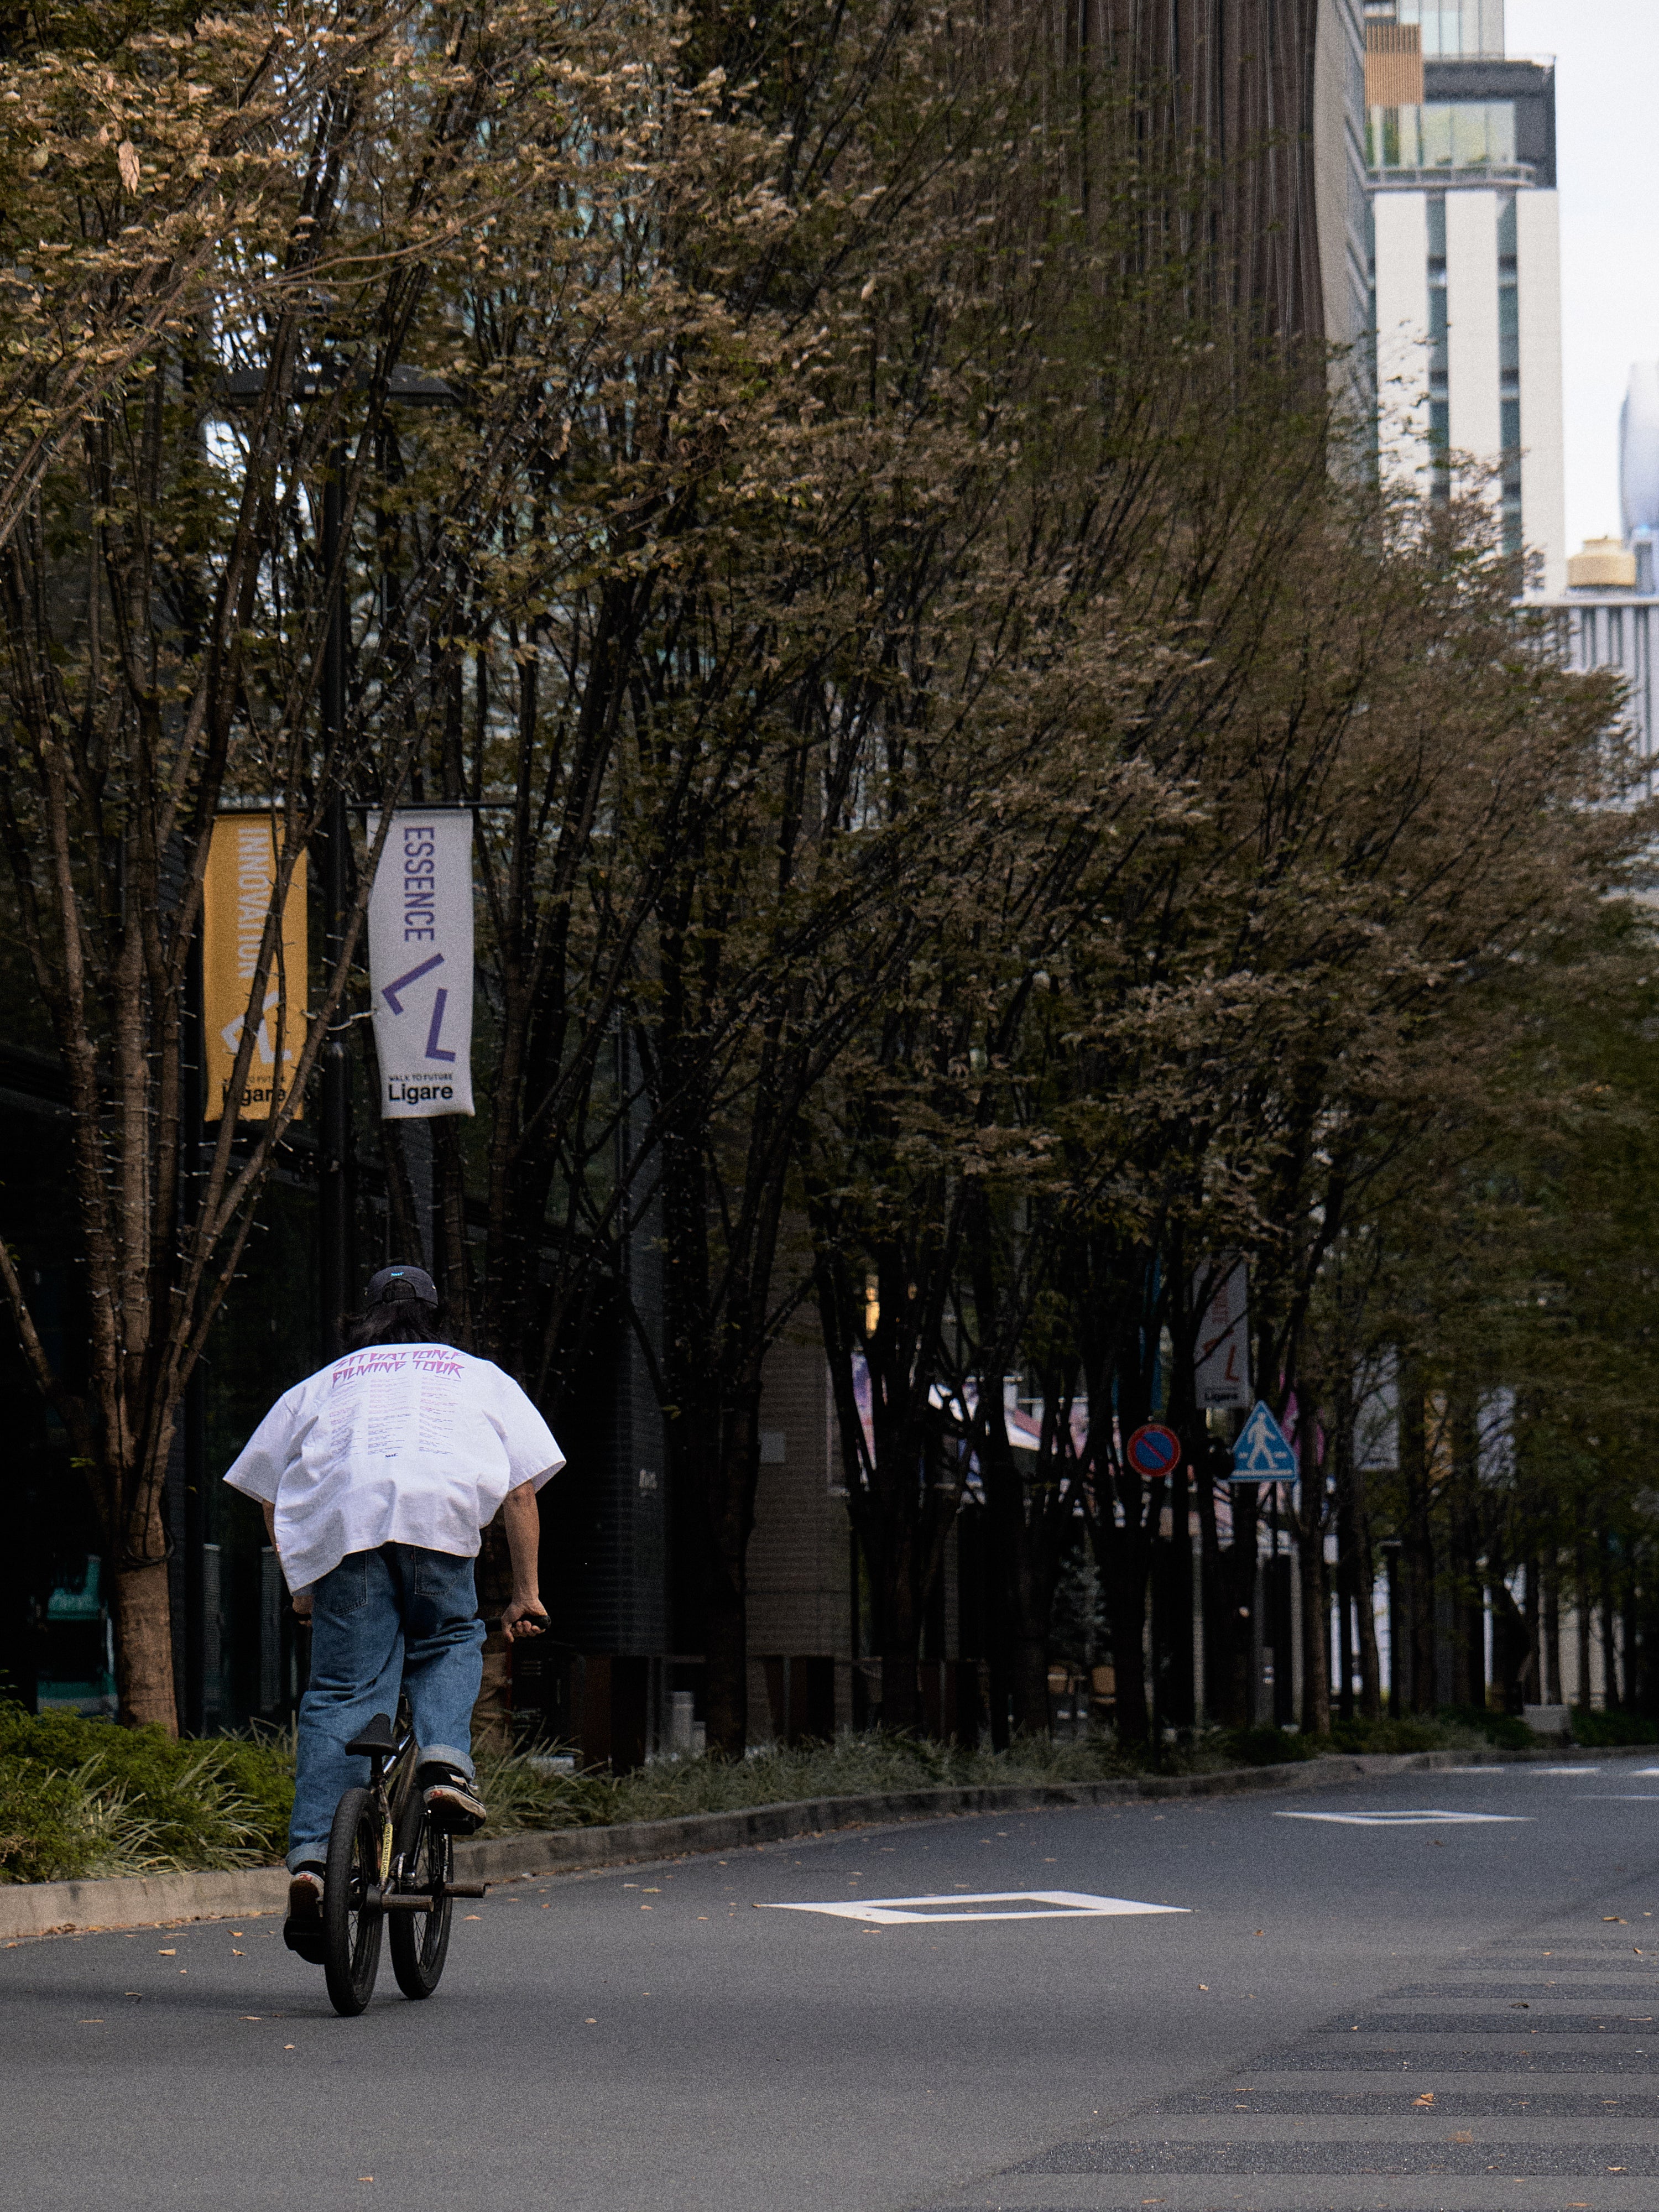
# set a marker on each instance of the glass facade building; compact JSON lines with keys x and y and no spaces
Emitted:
{"x":1465,"y":262}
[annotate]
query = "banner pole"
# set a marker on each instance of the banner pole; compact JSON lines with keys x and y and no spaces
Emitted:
{"x":334,"y":1133}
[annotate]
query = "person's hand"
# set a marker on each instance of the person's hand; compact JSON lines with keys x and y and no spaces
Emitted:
{"x":302,"y":1605}
{"x":523,"y":1616}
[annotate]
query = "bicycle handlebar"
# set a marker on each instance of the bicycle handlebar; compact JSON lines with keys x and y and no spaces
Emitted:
{"x":494,"y":1623}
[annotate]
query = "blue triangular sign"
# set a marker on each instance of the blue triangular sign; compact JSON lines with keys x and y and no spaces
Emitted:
{"x":1263,"y":1452}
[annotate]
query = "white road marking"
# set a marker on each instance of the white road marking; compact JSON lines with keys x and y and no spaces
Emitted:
{"x":1619,"y":1797}
{"x":1580,"y":1771}
{"x":1401,"y":1819}
{"x":1051,"y":1904}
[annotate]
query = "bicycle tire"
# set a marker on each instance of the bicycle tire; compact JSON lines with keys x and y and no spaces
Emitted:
{"x":351,"y":1933}
{"x":420,"y":1941}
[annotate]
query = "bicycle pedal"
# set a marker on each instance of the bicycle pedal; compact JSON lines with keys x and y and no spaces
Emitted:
{"x":306,"y":1943}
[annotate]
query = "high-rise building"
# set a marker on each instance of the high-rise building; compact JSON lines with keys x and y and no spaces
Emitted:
{"x":1465,"y":263}
{"x":1608,"y":615}
{"x":1342,"y":212}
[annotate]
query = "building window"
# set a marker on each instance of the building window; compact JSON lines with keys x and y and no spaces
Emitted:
{"x":1443,"y":134}
{"x":1508,"y":327}
{"x":1440,"y":446}
{"x":1451,"y":30}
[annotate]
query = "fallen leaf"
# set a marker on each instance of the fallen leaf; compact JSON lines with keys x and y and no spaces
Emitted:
{"x":288,"y":2046}
{"x":1616,"y":1919}
{"x":88,"y":2023}
{"x":1463,"y":2135}
{"x":236,"y":1953}
{"x":172,"y":1954}
{"x":1427,"y":2098}
{"x":590,"y":2022}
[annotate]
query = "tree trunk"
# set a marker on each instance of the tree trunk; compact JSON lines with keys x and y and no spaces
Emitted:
{"x":1363,"y":1584}
{"x":143,"y":1647}
{"x":1315,"y":1630}
{"x":1418,"y":1552}
{"x":1236,"y":1609}
{"x":1552,"y":1631}
{"x":901,"y":1659}
{"x":1030,"y":1682}
{"x":1123,"y":1571}
{"x":725,"y":1652}
{"x":1582,"y":1623}
{"x":1469,"y":1682}
{"x":1532,"y":1685}
{"x":1610,"y":1667}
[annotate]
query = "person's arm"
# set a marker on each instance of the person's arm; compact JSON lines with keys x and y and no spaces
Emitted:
{"x":521,"y":1517}
{"x":302,"y":1598}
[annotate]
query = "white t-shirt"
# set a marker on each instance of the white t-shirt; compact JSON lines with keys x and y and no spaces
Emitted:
{"x":402,"y":1443}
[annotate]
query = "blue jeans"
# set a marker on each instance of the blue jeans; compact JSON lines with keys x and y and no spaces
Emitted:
{"x":400,"y":1616}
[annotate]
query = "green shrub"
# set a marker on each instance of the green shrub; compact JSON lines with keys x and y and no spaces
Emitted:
{"x":1260,"y":1747}
{"x":1600,"y":1730}
{"x":79,"y":1797}
{"x":1505,"y":1730}
{"x":1413,"y":1734}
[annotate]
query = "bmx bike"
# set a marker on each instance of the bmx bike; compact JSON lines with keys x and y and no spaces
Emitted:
{"x":387,"y":1861}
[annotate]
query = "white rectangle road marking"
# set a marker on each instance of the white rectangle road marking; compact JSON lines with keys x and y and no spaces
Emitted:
{"x":1028,"y":1903}
{"x":1404,"y":1820}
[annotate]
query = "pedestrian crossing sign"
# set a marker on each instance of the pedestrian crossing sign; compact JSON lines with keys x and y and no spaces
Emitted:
{"x":1263,"y":1453}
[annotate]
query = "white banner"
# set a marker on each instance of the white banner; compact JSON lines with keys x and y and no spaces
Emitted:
{"x":420,"y":963}
{"x":1221,"y":1364}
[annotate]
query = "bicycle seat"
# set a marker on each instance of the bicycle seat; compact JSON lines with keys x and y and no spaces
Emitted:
{"x":376,"y":1741}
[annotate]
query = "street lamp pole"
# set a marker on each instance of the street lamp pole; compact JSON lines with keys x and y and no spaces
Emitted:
{"x":334,"y":1133}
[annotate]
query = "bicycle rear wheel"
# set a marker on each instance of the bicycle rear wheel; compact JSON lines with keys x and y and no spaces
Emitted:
{"x":420,"y":1941}
{"x":351,"y":1928}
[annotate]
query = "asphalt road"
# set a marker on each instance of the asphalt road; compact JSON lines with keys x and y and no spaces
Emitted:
{"x":1454,"y":2014}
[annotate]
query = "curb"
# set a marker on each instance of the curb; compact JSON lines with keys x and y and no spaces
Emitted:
{"x":65,"y":1908}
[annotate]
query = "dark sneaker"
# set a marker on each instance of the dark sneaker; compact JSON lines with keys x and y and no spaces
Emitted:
{"x":452,"y":1801}
{"x":302,"y":1932}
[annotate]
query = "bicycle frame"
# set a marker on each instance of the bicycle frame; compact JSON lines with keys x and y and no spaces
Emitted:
{"x":392,"y":1785}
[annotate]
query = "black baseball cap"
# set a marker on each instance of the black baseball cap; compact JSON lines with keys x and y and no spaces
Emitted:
{"x":393,"y":1284}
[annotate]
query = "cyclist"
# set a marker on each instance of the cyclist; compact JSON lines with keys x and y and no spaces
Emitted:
{"x":378,"y":1475}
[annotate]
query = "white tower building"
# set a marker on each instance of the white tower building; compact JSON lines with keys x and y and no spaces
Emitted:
{"x":1608,"y":614}
{"x":1465,"y":263}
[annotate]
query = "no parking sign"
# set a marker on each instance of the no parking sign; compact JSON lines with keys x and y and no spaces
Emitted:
{"x":1153,"y":1450}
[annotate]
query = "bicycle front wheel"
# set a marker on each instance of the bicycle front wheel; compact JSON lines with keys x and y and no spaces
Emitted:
{"x":420,"y":1941}
{"x":351,"y":1927}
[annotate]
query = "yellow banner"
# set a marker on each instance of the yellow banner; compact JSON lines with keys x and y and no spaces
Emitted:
{"x":236,"y":893}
